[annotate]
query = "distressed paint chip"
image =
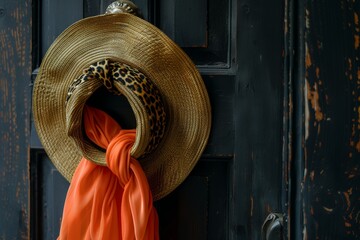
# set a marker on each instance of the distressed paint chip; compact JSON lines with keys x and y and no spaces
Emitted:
{"x":350,"y":64}
{"x":317,"y":70}
{"x":307,"y":57}
{"x":356,"y":18}
{"x":307,"y":111}
{"x":313,"y":96}
{"x":307,"y":18}
{"x":356,"y":36}
{"x":347,"y":198}
{"x":356,"y":41}
{"x":312,"y":175}
{"x":329,"y":210}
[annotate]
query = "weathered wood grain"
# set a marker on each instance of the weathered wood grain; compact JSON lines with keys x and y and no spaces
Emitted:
{"x":331,"y":92}
{"x":258,"y":115}
{"x":15,"y":71}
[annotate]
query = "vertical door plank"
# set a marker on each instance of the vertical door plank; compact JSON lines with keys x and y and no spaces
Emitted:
{"x":332,"y":120}
{"x":258,"y":180}
{"x":15,"y":72}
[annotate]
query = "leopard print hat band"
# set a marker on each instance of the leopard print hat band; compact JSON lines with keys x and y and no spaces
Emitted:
{"x":119,"y":79}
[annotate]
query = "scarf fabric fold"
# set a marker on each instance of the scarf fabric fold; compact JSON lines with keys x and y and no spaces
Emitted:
{"x":113,"y":201}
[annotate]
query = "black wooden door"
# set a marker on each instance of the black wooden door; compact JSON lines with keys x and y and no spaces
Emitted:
{"x":283,"y":79}
{"x":231,"y":190}
{"x":238,"y":48}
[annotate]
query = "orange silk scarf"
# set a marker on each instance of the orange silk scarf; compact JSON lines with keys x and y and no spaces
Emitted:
{"x":113,"y":201}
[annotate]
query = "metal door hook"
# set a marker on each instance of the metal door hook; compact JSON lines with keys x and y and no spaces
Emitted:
{"x":123,"y":6}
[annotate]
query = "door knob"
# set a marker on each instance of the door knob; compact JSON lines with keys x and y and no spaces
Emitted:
{"x":123,"y":6}
{"x":272,"y":227}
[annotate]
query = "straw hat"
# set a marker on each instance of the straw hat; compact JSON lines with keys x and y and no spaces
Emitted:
{"x":127,"y":41}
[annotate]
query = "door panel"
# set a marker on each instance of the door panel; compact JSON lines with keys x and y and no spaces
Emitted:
{"x":204,"y":33}
{"x":198,"y":208}
{"x":49,"y":188}
{"x":238,"y":180}
{"x":56,"y":16}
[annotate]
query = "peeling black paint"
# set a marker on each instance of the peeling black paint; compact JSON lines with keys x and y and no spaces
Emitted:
{"x":332,"y":180}
{"x":15,"y":72}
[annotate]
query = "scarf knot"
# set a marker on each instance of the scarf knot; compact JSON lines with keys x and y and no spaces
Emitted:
{"x":118,"y":156}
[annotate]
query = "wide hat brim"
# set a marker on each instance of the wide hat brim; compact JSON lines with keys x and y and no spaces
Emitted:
{"x":129,"y":39}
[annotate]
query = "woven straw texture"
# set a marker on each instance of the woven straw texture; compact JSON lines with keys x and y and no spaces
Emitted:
{"x":128,"y":39}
